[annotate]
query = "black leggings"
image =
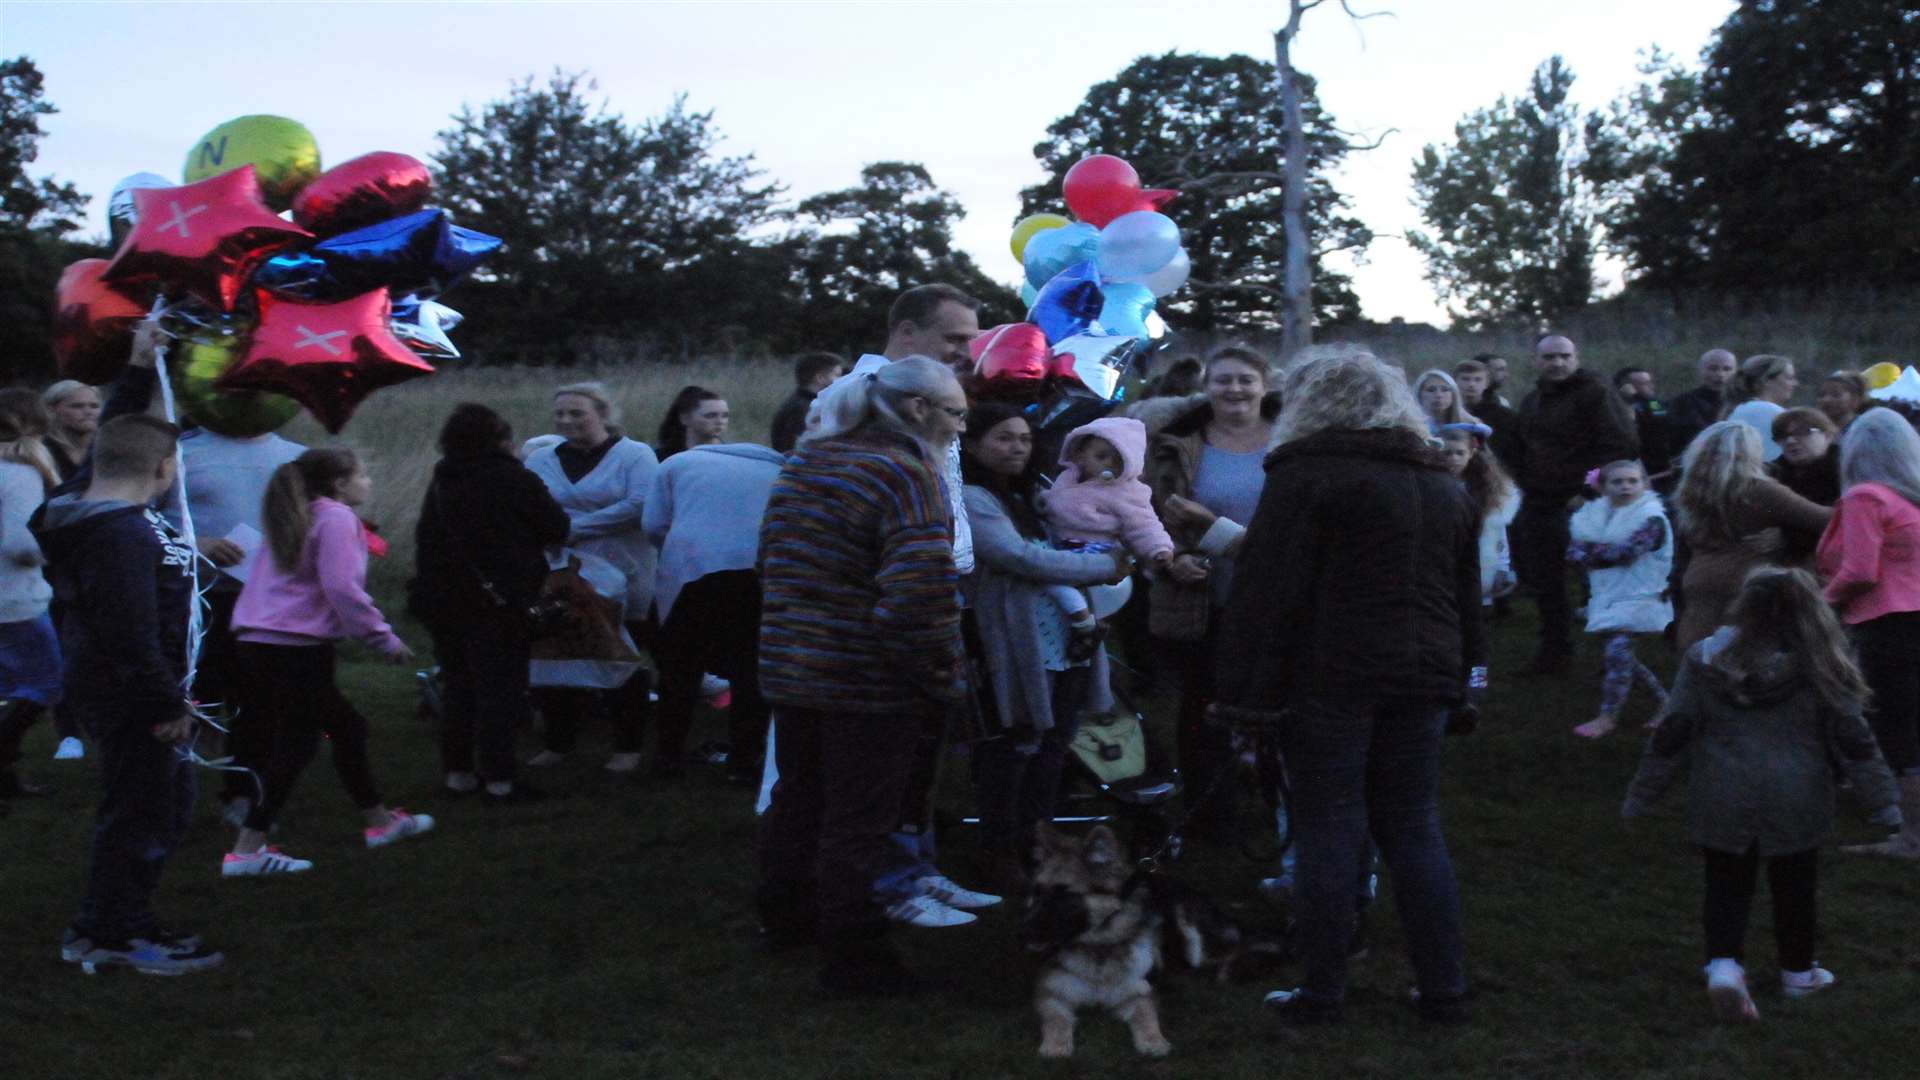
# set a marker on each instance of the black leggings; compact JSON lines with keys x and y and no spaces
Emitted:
{"x":1793,"y":880}
{"x":1888,"y":647}
{"x":293,"y":687}
{"x":714,"y":626}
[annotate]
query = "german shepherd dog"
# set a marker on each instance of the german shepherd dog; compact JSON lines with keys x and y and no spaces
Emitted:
{"x":1104,"y":928}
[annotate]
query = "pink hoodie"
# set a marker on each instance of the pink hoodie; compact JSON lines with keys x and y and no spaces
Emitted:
{"x":1870,"y":554}
{"x":324,"y":598}
{"x":1119,"y":510}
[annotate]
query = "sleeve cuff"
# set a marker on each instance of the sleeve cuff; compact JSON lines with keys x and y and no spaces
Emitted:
{"x":1221,"y":537}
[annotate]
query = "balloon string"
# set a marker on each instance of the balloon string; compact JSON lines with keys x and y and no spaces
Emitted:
{"x":196,"y":611}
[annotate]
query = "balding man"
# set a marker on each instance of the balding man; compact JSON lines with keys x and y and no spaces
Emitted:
{"x":1690,"y":413}
{"x":1570,"y":423}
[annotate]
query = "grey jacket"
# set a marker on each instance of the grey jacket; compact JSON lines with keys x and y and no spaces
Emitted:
{"x":1005,"y":589}
{"x":1759,"y":773}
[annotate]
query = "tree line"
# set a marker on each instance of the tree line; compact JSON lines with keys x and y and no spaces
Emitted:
{"x":1786,"y":160}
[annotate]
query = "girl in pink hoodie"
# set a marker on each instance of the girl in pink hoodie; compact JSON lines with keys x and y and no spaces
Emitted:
{"x":306,"y":589}
{"x":1099,"y":503}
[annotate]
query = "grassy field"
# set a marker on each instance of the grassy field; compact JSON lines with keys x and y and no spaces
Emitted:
{"x":609,"y":934}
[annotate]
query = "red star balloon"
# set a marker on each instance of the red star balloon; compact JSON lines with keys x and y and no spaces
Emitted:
{"x":202,"y":238}
{"x":92,"y":324}
{"x":328,"y":357}
{"x":1011,"y":361}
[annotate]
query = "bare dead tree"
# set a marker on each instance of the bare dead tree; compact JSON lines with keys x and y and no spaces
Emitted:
{"x":1296,"y":311}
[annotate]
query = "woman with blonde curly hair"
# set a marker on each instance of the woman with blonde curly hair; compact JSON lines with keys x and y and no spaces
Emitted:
{"x":1355,"y":611}
{"x":1735,"y":518}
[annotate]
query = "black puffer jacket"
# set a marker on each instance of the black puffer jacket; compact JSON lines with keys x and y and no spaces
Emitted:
{"x":1566,"y":428}
{"x":485,"y":513}
{"x":1359,"y":577}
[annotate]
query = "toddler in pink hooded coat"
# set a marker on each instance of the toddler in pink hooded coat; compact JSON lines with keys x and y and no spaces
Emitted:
{"x":1099,"y":503}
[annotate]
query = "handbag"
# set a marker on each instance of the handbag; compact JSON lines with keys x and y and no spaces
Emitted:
{"x":583,"y":625}
{"x":1178,"y":612}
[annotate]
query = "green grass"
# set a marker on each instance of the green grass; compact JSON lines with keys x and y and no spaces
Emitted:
{"x":609,"y":934}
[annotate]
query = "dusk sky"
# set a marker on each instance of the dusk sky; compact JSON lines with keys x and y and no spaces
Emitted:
{"x":813,"y":90}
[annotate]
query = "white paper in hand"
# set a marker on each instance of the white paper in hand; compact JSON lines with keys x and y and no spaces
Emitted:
{"x":247,"y":539}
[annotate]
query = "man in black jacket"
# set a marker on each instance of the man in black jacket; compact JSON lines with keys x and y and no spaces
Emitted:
{"x":1355,"y":622}
{"x":1571,"y":423}
{"x":812,"y":373}
{"x":1691,"y":412}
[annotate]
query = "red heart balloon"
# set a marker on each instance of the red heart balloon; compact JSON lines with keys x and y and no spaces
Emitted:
{"x":328,"y":357}
{"x":1100,"y":188}
{"x":365,"y":191}
{"x":92,"y":323}
{"x":1010,"y":361}
{"x":203,"y":238}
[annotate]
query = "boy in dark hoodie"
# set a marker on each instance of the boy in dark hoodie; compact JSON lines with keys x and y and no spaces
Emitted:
{"x":126,"y":579}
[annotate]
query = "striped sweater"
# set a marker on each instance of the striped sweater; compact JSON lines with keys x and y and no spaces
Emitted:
{"x":861,"y":611}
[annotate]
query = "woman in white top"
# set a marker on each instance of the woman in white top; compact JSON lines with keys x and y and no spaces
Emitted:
{"x":1759,"y":392}
{"x":601,"y":478}
{"x":29,"y":650}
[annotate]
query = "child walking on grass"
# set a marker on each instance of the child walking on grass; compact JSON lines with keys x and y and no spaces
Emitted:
{"x":307,"y":589}
{"x":1762,"y":712}
{"x":1625,"y":543}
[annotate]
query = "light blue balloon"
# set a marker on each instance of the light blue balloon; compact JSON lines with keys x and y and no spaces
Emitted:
{"x":1126,"y":308}
{"x":1135,"y":245}
{"x":1028,"y":294}
{"x":1054,"y":250}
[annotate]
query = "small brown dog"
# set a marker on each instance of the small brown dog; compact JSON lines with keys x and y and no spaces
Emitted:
{"x":1104,"y":929}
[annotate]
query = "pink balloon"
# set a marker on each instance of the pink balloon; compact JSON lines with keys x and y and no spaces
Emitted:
{"x":1100,"y":188}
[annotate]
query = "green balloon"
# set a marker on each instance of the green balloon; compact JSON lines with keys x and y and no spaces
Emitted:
{"x":240,"y":414}
{"x":283,"y":154}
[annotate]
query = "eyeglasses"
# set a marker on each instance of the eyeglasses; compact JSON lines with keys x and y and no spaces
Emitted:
{"x":957,"y":414}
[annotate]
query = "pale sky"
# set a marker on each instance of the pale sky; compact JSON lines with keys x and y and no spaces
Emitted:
{"x":814,"y":90}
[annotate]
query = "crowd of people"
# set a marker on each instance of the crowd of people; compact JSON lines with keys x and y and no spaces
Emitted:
{"x":1313,"y":554}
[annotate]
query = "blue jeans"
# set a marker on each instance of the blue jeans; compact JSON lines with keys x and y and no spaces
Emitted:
{"x":1371,"y":767}
{"x":144,"y":809}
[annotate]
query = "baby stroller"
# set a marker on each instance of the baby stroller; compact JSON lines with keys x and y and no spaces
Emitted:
{"x":1114,"y":774}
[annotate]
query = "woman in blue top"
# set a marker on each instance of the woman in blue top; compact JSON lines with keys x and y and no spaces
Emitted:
{"x":1206,"y":472}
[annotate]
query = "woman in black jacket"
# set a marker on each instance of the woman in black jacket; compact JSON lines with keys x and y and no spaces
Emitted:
{"x":1354,"y":623}
{"x":479,"y":562}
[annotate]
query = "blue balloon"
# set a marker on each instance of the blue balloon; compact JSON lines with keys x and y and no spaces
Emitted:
{"x":300,"y":276}
{"x":1053,"y":250}
{"x":1068,"y":304}
{"x":423,"y":252}
{"x":1135,"y":245}
{"x":1126,"y":308}
{"x":1028,"y":294}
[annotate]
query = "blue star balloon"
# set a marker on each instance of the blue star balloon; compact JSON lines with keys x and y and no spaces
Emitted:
{"x":423,"y":252}
{"x":1068,"y":304}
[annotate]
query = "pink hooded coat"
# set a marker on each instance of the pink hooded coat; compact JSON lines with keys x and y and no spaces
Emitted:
{"x":1119,"y":510}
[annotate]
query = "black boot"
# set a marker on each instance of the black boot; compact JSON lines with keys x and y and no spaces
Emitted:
{"x":16,"y":716}
{"x":863,"y":964}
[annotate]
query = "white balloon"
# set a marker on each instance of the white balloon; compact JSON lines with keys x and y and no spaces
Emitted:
{"x":1170,"y":277}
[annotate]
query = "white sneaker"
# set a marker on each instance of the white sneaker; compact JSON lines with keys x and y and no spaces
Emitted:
{"x":266,"y":861}
{"x":545,"y":758}
{"x":623,"y":762}
{"x":1799,"y":984}
{"x":70,"y":749}
{"x":925,"y":911}
{"x":399,"y":826}
{"x":944,"y":889}
{"x":1727,"y":987}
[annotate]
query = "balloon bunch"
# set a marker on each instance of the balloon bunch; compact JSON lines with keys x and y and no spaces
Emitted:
{"x":1091,"y":285}
{"x":319,"y":311}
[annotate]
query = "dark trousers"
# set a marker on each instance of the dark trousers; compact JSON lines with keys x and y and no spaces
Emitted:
{"x":295,"y":691}
{"x":1890,"y":659}
{"x":1371,"y":768}
{"x":219,"y":681}
{"x":1017,"y":775}
{"x":629,"y":708}
{"x":714,"y":626}
{"x":1540,"y":538}
{"x":1205,"y":748}
{"x":484,"y":665}
{"x":147,"y":797}
{"x":17,"y":716}
{"x":824,"y":840}
{"x":1793,"y":880}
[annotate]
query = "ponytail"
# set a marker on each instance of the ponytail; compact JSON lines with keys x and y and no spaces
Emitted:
{"x":874,"y":398}
{"x":287,"y":511}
